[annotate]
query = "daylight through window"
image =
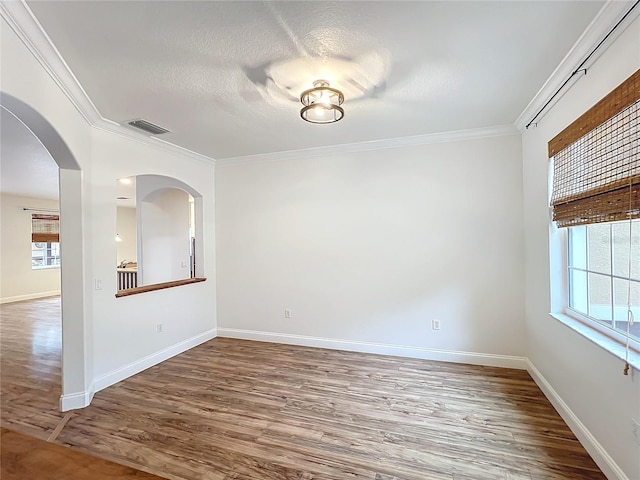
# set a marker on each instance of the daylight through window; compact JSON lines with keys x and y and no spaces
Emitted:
{"x":599,"y":277}
{"x":45,"y":254}
{"x":45,"y":238}
{"x":596,"y":194}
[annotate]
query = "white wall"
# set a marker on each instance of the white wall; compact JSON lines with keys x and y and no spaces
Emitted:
{"x":18,"y":281}
{"x":371,"y":246}
{"x":127,"y":248}
{"x":106,"y":339}
{"x":165,"y":242}
{"x":125,"y":329}
{"x":363,"y":247}
{"x":24,"y":78}
{"x":587,"y":378}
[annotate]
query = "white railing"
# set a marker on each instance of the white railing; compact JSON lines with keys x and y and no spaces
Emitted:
{"x":127,"y":278}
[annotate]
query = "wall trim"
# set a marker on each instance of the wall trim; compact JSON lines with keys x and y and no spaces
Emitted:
{"x":77,"y":400}
{"x":26,"y":26}
{"x":137,"y":366}
{"x":609,"y":467}
{"x":29,"y":296}
{"x":486,"y":359}
{"x":602,"y":458}
{"x":154,"y":142}
{"x":604,"y":21}
{"x":22,"y":21}
{"x":426,"y":139}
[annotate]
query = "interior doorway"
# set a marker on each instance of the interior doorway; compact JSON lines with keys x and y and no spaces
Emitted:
{"x":30,"y":317}
{"x":75,"y":364}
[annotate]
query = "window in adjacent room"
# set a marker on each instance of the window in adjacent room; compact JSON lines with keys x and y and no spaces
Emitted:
{"x":596,"y":197}
{"x":45,"y":238}
{"x":45,"y":254}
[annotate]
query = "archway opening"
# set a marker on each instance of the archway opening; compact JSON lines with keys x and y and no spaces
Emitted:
{"x":76,"y":371}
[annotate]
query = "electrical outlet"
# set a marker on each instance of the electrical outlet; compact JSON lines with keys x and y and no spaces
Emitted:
{"x":636,"y":430}
{"x":287,"y":313}
{"x":159,"y":328}
{"x":435,"y":324}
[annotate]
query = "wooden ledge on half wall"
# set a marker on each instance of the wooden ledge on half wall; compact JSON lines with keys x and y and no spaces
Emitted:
{"x":158,"y":286}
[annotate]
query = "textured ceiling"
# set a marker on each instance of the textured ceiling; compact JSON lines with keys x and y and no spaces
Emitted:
{"x":26,"y":167}
{"x":225,"y":77}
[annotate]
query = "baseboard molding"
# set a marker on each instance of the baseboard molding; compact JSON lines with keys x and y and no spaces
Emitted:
{"x":75,"y":401}
{"x":30,"y":296}
{"x":608,"y":466}
{"x":138,"y":366}
{"x":379,"y":348}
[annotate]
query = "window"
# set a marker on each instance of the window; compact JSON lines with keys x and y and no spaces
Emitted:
{"x":596,"y":197}
{"x":599,"y":277}
{"x":45,"y":255}
{"x":45,"y":238}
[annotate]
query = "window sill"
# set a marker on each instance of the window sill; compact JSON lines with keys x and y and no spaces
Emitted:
{"x":157,"y":286}
{"x":48,"y":267}
{"x":603,"y":341}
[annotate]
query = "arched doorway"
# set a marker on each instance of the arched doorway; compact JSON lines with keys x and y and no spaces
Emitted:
{"x":76,"y":361}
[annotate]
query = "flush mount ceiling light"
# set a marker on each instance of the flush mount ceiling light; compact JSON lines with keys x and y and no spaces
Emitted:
{"x":322,"y":103}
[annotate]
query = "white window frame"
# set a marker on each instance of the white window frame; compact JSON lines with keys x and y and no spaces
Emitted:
{"x":44,"y":257}
{"x":590,"y":322}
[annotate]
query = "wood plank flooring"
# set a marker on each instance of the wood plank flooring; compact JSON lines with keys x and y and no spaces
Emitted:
{"x":30,"y":371}
{"x":27,"y":458}
{"x":239,"y":410}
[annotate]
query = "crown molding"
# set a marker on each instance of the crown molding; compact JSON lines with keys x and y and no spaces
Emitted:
{"x":22,"y":21}
{"x":28,"y":29}
{"x":26,"y":26}
{"x":30,"y":32}
{"x":154,"y":142}
{"x":399,"y":142}
{"x":607,"y":17}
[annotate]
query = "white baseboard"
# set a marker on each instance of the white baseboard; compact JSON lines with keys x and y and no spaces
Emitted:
{"x":75,"y":401}
{"x":486,"y":359}
{"x":608,"y":466}
{"x":138,"y":366}
{"x":30,"y":296}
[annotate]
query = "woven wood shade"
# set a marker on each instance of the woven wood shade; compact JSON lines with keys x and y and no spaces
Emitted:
{"x":596,"y":174}
{"x":625,"y":94}
{"x":45,"y":228}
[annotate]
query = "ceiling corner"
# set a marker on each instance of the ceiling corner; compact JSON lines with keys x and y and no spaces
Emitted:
{"x":356,"y":147}
{"x":22,"y":21}
{"x":610,"y":14}
{"x":30,"y":32}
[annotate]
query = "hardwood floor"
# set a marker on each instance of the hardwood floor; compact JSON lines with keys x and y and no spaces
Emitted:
{"x":239,"y":410}
{"x":30,"y":371}
{"x":27,"y":458}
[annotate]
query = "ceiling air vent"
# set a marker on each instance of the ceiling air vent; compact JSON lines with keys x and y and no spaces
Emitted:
{"x":148,"y":127}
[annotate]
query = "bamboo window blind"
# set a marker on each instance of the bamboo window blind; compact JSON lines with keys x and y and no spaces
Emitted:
{"x":596,"y":161}
{"x":45,"y":228}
